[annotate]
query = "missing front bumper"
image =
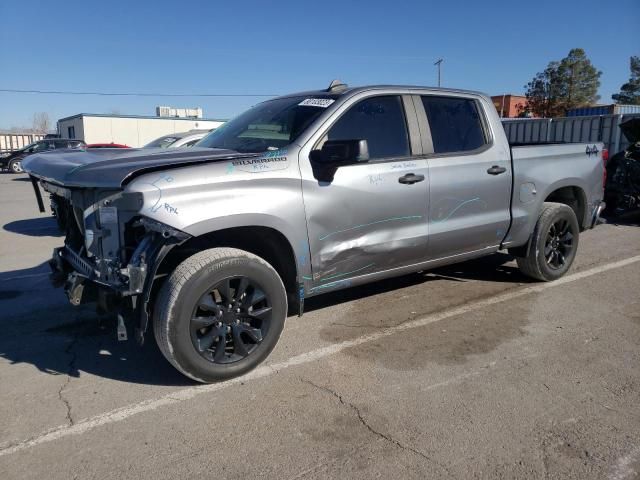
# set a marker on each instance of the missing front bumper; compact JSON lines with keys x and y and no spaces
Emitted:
{"x":127,"y":290}
{"x":71,"y":270}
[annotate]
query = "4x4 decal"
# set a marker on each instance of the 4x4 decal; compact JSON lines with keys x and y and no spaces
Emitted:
{"x":591,"y":150}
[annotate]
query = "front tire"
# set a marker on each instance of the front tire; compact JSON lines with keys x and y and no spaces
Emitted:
{"x":554,"y":243}
{"x":15,"y":166}
{"x":219,"y":314}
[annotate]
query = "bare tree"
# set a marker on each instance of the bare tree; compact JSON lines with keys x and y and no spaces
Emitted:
{"x":41,"y":122}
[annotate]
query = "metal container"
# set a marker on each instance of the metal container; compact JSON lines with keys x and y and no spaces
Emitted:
{"x":594,"y":128}
{"x":613,"y":109}
{"x":10,"y":142}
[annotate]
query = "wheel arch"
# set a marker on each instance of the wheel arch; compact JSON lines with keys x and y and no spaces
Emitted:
{"x":266,"y":242}
{"x":568,"y":193}
{"x":573,"y":196}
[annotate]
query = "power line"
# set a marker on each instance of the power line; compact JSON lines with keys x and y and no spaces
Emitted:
{"x":137,"y":94}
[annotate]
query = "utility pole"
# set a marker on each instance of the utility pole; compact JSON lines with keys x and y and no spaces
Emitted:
{"x":439,"y":63}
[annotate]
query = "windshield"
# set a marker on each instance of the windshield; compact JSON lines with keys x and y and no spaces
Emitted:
{"x":31,"y":145}
{"x":268,"y":126}
{"x":162,"y":142}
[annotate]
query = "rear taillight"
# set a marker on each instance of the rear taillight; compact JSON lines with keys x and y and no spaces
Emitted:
{"x":605,"y":159}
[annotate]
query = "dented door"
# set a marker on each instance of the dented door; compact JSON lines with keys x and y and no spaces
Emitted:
{"x":373,"y":216}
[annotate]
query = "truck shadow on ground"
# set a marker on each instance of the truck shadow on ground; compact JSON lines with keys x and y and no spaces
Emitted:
{"x":82,"y":343}
{"x":449,"y":342}
{"x":59,"y":339}
{"x":34,"y":227}
{"x":492,"y":268}
{"x":39,"y":327}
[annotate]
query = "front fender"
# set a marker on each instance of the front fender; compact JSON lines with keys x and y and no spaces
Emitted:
{"x":207,"y":198}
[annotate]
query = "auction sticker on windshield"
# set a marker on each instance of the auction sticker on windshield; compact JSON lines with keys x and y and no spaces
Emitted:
{"x":317,"y":102}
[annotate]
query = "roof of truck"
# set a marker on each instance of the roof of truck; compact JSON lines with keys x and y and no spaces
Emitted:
{"x":345,"y":89}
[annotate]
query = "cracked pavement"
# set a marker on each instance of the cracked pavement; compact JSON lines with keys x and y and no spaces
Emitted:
{"x":72,"y":364}
{"x":543,"y":385}
{"x":365,"y":424}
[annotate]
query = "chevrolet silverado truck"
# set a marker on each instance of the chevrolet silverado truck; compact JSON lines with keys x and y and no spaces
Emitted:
{"x":213,"y":246}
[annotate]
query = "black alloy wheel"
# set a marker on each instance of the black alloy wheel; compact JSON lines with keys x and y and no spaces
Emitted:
{"x":219,"y":314}
{"x":558,"y":244}
{"x":553,"y":243}
{"x":230,"y":320}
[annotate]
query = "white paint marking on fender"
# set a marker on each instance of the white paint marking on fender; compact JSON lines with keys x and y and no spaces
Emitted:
{"x":182,"y":395}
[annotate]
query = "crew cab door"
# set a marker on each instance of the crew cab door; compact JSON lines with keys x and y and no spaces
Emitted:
{"x":372,"y":216}
{"x":470,"y":175}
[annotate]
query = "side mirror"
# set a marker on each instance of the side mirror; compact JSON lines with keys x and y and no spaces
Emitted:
{"x":338,"y":153}
{"x":335,"y":154}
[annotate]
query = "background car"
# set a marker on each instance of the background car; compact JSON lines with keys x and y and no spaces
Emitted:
{"x":13,"y":161}
{"x":176,"y":140}
{"x":107,"y":145}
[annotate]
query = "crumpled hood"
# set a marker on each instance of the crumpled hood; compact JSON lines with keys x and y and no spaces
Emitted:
{"x":112,"y":168}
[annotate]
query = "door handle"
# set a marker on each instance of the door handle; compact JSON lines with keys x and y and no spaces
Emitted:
{"x":411,"y":178}
{"x":496,"y":170}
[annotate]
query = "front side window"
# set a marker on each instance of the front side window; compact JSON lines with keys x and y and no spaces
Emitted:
{"x":378,"y":120}
{"x":269,"y":125}
{"x":29,"y":148}
{"x":41,"y":147}
{"x":455,"y":124}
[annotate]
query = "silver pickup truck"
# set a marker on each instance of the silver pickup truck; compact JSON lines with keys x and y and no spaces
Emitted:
{"x":301,"y":195}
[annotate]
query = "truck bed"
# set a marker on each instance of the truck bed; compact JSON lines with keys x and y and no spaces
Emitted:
{"x":542,"y":168}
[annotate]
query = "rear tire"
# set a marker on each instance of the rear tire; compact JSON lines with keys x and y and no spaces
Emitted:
{"x":219,"y":314}
{"x":554,"y":243}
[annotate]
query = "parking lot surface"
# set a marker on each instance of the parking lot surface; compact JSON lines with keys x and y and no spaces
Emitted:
{"x":469,"y":371}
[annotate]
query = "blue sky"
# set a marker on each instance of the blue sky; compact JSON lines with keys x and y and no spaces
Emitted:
{"x":249,"y":47}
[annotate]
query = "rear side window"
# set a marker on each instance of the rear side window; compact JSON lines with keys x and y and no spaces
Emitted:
{"x":455,"y":124}
{"x":378,"y":120}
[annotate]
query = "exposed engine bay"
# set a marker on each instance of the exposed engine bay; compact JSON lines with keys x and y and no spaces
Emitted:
{"x":111,"y":252}
{"x":622,"y":193}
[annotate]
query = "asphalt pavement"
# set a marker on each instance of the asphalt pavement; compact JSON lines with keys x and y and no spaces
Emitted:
{"x":469,"y":371}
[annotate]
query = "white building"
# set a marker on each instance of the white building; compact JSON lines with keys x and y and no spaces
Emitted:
{"x":162,"y":111}
{"x":132,"y":130}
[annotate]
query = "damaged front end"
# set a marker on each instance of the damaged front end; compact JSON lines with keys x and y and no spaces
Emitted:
{"x":622,"y":190}
{"x":111,"y":253}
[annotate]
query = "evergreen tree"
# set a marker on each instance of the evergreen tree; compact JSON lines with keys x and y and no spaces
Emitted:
{"x":630,"y":91}
{"x":572,"y":82}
